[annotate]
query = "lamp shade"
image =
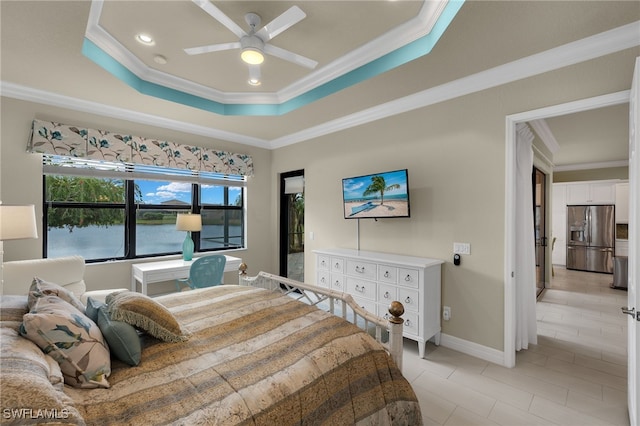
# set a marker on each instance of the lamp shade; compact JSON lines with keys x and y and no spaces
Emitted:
{"x":17,"y":222}
{"x":189,"y":222}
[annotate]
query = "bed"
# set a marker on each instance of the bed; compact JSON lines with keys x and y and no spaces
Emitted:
{"x":254,"y":356}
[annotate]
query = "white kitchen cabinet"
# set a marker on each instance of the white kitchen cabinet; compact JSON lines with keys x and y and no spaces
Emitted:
{"x":559,"y":223}
{"x":376,"y":279}
{"x":622,"y":202}
{"x":591,"y":193}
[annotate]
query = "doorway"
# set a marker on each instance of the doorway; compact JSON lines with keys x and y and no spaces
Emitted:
{"x":539,"y":181}
{"x":292,"y":225}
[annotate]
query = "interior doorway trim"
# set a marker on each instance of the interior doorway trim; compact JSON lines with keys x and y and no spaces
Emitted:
{"x":510,"y":189}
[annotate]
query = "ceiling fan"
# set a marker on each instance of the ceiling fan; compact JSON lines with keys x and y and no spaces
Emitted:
{"x":254,"y":43}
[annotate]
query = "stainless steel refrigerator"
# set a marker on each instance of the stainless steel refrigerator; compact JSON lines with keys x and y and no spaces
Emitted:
{"x":590,"y":238}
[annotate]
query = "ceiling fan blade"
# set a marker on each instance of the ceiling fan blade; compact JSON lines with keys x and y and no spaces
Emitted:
{"x":219,"y":16}
{"x":288,"y":19}
{"x":212,"y":48}
{"x":289,"y":56}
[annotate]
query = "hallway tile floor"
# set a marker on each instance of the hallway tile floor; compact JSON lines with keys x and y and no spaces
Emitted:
{"x":574,"y":375}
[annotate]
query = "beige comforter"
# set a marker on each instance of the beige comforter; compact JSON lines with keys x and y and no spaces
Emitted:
{"x":254,"y":357}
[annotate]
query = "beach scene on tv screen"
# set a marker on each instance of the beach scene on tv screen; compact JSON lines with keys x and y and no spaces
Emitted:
{"x":377,"y":195}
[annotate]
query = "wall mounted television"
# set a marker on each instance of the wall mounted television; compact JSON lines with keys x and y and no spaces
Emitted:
{"x":375,"y":196}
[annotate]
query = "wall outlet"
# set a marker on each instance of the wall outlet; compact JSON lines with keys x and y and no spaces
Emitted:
{"x":446,"y":313}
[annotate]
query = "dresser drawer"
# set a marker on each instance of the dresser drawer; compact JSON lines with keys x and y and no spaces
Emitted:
{"x":387,"y":274}
{"x":411,"y":323}
{"x":387,"y":293}
{"x":409,"y":299}
{"x":356,"y":268}
{"x":324,"y":278}
{"x":324,"y":263}
{"x":369,"y":305}
{"x":337,"y":282}
{"x":408,"y":277}
{"x":361,"y":288}
{"x":337,"y":265}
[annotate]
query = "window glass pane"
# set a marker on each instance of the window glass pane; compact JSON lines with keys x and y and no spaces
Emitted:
{"x":163,"y":192}
{"x":221,"y":229}
{"x":213,"y":195}
{"x":156,"y":231}
{"x":94,"y":233}
{"x":81,"y":189}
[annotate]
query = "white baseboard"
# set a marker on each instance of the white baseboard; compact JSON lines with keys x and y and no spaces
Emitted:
{"x":466,"y":347}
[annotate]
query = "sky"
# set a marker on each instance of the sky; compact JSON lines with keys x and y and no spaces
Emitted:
{"x":154,"y":192}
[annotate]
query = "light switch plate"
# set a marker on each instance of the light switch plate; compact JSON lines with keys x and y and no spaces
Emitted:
{"x":461,"y":248}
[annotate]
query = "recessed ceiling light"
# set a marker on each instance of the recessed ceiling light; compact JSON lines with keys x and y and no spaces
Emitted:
{"x":255,"y":82}
{"x":144,"y":39}
{"x":159,"y":59}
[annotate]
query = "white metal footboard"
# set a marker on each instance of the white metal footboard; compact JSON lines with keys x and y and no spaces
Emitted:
{"x":339,"y":304}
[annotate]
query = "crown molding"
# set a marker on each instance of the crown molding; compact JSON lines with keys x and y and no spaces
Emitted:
{"x":591,"y":166}
{"x":545,"y":134}
{"x":16,"y":91}
{"x":604,"y":43}
{"x":404,"y":34}
{"x":572,"y":53}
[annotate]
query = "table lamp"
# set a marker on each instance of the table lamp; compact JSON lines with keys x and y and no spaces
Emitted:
{"x":190,"y":223}
{"x":16,"y":223}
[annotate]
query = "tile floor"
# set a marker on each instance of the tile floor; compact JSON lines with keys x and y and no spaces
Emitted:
{"x":575,"y":375}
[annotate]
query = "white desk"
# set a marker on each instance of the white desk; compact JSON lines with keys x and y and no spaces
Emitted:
{"x":167,"y":270}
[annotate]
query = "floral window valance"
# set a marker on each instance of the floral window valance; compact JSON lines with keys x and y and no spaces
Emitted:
{"x":52,"y":138}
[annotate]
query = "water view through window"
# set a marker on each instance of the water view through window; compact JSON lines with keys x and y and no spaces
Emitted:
{"x":99,"y":242}
{"x":87,"y":216}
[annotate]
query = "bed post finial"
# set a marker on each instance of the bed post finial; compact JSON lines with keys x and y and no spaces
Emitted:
{"x":243,"y":269}
{"x":396,"y":309}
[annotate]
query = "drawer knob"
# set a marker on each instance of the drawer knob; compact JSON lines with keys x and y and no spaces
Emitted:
{"x":387,"y":274}
{"x":386,"y":295}
{"x":337,"y":265}
{"x":323,"y":263}
{"x":407,"y":323}
{"x":337,"y":283}
{"x":360,"y":269}
{"x":360,"y":288}
{"x":322,"y":280}
{"x":407,"y":300}
{"x":407,"y":278}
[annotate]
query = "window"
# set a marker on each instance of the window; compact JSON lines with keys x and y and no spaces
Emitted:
{"x":125,"y":216}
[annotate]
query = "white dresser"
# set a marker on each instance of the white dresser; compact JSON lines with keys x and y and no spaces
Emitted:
{"x":376,"y":279}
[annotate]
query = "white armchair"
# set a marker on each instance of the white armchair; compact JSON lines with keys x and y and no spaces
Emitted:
{"x":68,"y":272}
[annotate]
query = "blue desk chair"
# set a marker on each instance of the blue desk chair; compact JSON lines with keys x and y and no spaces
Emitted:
{"x":205,"y":271}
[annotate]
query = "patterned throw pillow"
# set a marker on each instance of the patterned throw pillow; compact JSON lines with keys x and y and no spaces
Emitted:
{"x":41,"y":288}
{"x":143,"y":312}
{"x":72,"y":339}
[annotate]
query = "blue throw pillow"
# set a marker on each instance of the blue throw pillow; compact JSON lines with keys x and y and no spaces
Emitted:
{"x":91,"y":310}
{"x":123,"y":339}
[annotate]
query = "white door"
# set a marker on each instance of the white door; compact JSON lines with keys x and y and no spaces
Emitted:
{"x":634,"y":245}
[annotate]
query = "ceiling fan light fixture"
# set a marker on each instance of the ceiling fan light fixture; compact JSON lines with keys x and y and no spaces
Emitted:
{"x":252,"y":56}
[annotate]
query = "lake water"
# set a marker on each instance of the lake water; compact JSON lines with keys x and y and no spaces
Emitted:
{"x":99,"y":242}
